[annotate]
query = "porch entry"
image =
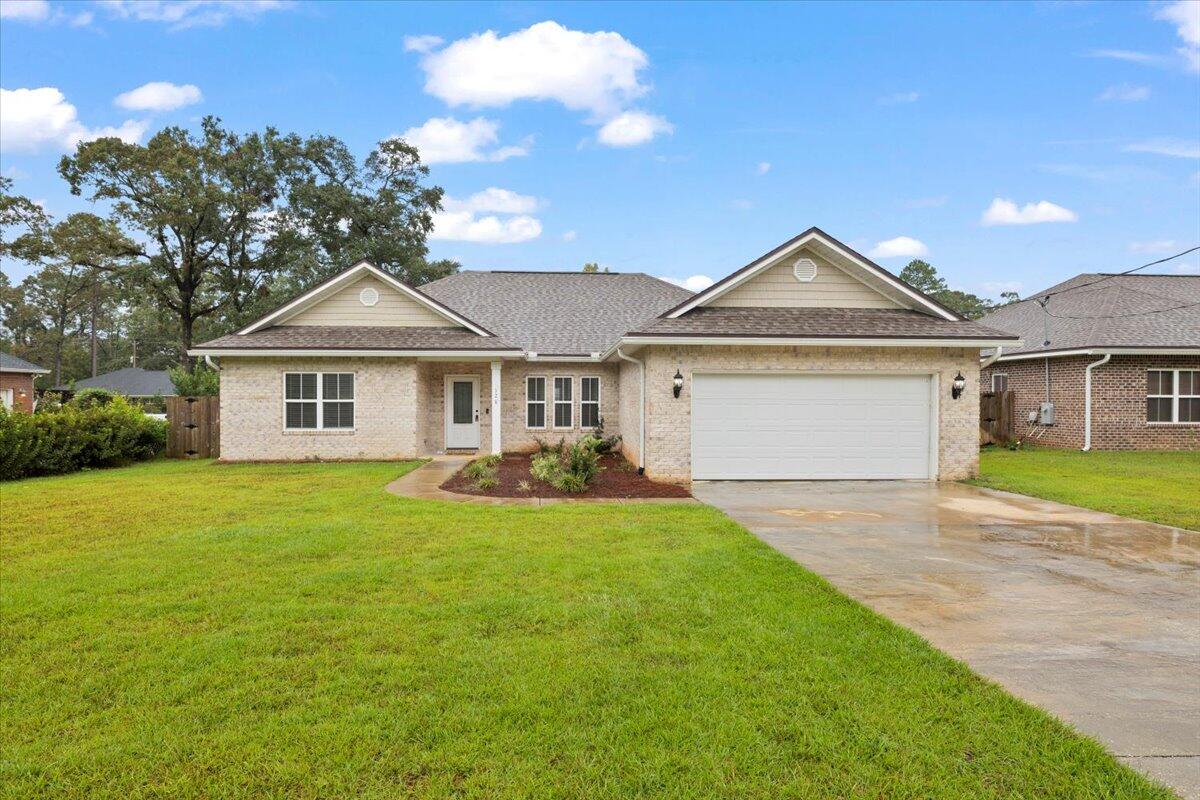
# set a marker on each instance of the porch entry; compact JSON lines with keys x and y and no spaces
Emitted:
{"x":462,"y":412}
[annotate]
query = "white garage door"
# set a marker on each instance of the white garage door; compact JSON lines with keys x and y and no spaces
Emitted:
{"x":757,"y":426}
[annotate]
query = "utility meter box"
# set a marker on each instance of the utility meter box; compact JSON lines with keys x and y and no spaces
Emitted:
{"x":1046,"y":414}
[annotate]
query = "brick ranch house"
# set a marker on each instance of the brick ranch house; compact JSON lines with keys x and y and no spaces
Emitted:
{"x":1118,"y":356}
{"x":16,"y":382}
{"x":809,"y":362}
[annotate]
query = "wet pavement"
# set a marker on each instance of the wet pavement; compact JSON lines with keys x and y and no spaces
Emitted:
{"x":1093,"y":617}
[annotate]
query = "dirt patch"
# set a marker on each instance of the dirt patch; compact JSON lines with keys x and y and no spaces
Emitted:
{"x":617,"y":478}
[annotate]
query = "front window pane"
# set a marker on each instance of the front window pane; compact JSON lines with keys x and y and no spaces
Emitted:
{"x":300,"y":385}
{"x":338,"y":415}
{"x":536,"y":389}
{"x":1160,"y":382}
{"x":562,"y":415}
{"x":1189,"y":382}
{"x":562,"y":389}
{"x":535,"y":416}
{"x":1189,"y":409}
{"x":1158,"y":409}
{"x":301,"y":415}
{"x":337,"y":386}
{"x":464,"y":402}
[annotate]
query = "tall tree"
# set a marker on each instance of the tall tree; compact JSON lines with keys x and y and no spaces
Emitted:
{"x":198,"y":208}
{"x":921,"y":275}
{"x":16,"y":211}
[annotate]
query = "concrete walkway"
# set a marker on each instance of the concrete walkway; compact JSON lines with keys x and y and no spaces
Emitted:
{"x":424,"y":483}
{"x":1093,"y":617}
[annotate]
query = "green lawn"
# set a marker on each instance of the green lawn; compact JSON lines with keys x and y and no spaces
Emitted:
{"x":194,"y":630}
{"x":1154,"y":486}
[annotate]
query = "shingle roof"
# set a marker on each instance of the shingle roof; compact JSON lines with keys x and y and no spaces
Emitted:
{"x":557,"y":313}
{"x":1118,"y":311}
{"x":319,"y":337}
{"x":131,"y":382}
{"x":10,"y":363}
{"x":882,"y":323}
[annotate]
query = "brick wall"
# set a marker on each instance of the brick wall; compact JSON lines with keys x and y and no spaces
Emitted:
{"x":385,"y":419}
{"x":19,"y":382}
{"x":1118,"y":401}
{"x":668,"y":423}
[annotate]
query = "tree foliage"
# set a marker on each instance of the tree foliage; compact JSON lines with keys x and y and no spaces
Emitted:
{"x":922,"y":276}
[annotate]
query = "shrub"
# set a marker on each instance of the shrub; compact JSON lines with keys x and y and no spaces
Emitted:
{"x":200,"y":382}
{"x":92,"y":398}
{"x":567,"y":482}
{"x":486,"y":482}
{"x":582,"y":461}
{"x":599,"y":442}
{"x":524,"y":486}
{"x":96,"y":433}
{"x":571,"y":471}
{"x":480,"y":468}
{"x":544,"y":447}
{"x":545,"y":467}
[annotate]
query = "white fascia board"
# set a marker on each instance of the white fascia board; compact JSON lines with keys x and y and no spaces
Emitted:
{"x":703,"y":298}
{"x":1062,"y":354}
{"x":484,"y":355}
{"x":346,"y":278}
{"x":782,"y":341}
{"x":594,"y":357}
{"x":26,"y":371}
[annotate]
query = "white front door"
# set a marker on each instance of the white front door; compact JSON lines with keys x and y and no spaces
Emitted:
{"x":462,"y":412}
{"x":763,"y":426}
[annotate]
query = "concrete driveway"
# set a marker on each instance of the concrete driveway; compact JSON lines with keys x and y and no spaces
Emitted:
{"x":1093,"y":617}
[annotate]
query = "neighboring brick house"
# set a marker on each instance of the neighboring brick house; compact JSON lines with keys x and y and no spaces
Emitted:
{"x":809,"y":362}
{"x":16,"y":382}
{"x":1140,"y":335}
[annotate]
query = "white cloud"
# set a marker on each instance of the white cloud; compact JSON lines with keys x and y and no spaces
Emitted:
{"x":764,"y":167}
{"x":500,"y":201}
{"x":1185,"y":16}
{"x":569,"y":236}
{"x":696,"y":283}
{"x":1125,"y":93}
{"x":1005,"y":212}
{"x":899,"y":98}
{"x":460,"y":221}
{"x":1165,"y":146}
{"x":34,"y":118}
{"x":596,"y":72}
{"x":159,"y":96}
{"x":632,"y":128}
{"x":25,"y":10}
{"x":1157,"y":246}
{"x":900,"y":246}
{"x":445,"y":140}
{"x":422,"y":44}
{"x":180,"y":14}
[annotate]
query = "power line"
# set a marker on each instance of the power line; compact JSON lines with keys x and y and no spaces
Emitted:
{"x":1123,"y":316}
{"x":1047,"y":295}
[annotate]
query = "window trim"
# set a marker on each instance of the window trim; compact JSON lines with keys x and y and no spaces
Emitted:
{"x":1174,"y":397}
{"x":320,"y":402}
{"x":543,"y":403}
{"x":999,"y":375}
{"x":569,"y":403}
{"x":599,"y":394}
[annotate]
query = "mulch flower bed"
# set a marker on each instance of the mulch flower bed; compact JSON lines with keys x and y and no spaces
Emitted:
{"x":616,"y":478}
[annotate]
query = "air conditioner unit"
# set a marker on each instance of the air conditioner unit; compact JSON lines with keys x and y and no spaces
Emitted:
{"x":1046,"y":414}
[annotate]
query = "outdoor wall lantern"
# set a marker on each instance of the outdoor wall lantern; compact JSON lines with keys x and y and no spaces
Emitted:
{"x":677,"y":381}
{"x":960,"y":383}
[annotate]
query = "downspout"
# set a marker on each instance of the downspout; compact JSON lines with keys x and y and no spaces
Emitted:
{"x":993,"y":358}
{"x":1087,"y":401}
{"x":641,"y":410}
{"x":208,"y":360}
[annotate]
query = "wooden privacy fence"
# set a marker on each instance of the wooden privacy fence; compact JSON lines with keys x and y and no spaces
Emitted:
{"x":996,"y":417}
{"x":195,"y":427}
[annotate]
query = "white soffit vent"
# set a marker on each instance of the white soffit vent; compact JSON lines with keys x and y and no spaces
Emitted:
{"x":368,"y":296}
{"x":805,"y":269}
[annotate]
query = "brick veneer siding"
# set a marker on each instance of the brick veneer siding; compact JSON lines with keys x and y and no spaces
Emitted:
{"x":385,"y":418}
{"x":514,"y":436}
{"x":668,"y":421}
{"x":1118,"y":401}
{"x":19,"y":382}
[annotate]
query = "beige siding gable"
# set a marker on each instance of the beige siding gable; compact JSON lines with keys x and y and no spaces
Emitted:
{"x":394,"y":309}
{"x":777,"y":287}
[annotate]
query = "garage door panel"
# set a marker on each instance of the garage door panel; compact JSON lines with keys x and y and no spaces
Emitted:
{"x":798,"y":426}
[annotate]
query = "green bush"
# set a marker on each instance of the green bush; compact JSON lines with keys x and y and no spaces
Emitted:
{"x":599,"y":442}
{"x":96,"y":433}
{"x":567,"y":482}
{"x":200,"y":382}
{"x":479,"y":469}
{"x":581,"y":461}
{"x":571,"y":471}
{"x":92,"y":398}
{"x":545,"y":467}
{"x":486,"y":482}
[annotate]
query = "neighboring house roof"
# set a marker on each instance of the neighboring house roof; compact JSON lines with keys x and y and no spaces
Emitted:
{"x":131,"y":382}
{"x":882,"y":323}
{"x":1098,"y":311}
{"x":10,"y":363}
{"x":322,"y":337}
{"x":558,"y":313}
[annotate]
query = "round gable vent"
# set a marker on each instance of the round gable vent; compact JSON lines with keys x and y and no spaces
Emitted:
{"x":805,"y":269}
{"x":368,"y":296}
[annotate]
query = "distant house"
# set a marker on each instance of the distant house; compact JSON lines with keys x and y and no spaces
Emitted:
{"x":16,"y":382}
{"x":132,"y":382}
{"x":1117,"y":357}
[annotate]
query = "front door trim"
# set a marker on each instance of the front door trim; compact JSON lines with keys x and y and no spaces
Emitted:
{"x":461,"y":436}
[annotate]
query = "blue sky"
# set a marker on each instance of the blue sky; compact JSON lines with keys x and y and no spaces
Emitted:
{"x":1012,"y":145}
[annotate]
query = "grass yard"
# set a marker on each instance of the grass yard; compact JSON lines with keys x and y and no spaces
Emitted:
{"x":1154,"y":486}
{"x":189,"y":630}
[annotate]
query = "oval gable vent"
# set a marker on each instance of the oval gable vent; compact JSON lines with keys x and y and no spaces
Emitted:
{"x":368,"y":297}
{"x":805,"y":269}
